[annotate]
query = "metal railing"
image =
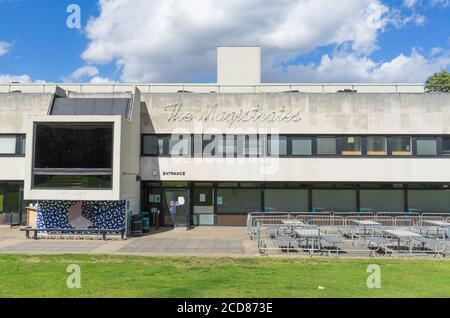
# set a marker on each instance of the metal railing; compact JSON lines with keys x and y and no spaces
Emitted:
{"x":216,"y":88}
{"x":271,"y":236}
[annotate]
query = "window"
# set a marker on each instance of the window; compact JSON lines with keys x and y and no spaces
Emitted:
{"x":152,"y":146}
{"x":180,"y":145}
{"x":238,"y":201}
{"x":12,"y":145}
{"x":10,"y":196}
{"x":376,"y":146}
{"x":334,"y":200}
{"x":326,"y":146}
{"x":278,"y":146}
{"x":73,"y":155}
{"x":7,"y":145}
{"x":426,"y":146}
{"x":166,"y":145}
{"x":446,"y":145}
{"x":401,"y":146}
{"x":286,"y":200}
{"x":351,"y":146}
{"x":230,"y":146}
{"x":301,"y":146}
{"x":382,"y":200}
{"x":248,"y":146}
{"x":429,"y":201}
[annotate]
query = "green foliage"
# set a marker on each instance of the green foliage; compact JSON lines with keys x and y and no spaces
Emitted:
{"x":137,"y":276}
{"x":438,"y":82}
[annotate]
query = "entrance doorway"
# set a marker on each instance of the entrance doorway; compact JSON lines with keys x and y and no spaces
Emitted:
{"x":175,"y":206}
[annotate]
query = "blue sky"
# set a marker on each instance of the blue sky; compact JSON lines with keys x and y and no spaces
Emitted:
{"x":144,"y":41}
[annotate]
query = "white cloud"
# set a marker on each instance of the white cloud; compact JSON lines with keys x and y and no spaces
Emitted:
{"x":169,"y":40}
{"x":8,"y":79}
{"x":433,"y":3}
{"x":175,"y":41}
{"x":4,"y":47}
{"x":101,"y":80}
{"x":349,"y":67}
{"x":82,"y":73}
{"x":443,"y":3}
{"x":410,"y":3}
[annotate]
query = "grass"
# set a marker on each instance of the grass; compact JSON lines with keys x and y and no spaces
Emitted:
{"x":135,"y":276}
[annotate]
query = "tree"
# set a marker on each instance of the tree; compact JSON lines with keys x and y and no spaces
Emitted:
{"x":438,"y":82}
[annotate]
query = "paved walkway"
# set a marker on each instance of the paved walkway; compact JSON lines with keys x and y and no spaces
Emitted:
{"x":201,"y":241}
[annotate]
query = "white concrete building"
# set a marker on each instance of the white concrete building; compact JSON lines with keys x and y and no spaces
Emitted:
{"x":211,"y":153}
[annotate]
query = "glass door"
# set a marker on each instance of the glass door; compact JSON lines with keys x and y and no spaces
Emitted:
{"x":176,"y":207}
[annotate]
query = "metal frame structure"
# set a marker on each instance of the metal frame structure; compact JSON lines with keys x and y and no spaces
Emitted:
{"x":371,"y":234}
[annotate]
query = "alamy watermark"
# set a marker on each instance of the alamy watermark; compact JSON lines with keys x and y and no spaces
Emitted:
{"x":374,"y":279}
{"x":74,"y":279}
{"x":74,"y":19}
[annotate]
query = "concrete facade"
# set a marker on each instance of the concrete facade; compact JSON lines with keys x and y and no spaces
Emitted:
{"x":237,"y":105}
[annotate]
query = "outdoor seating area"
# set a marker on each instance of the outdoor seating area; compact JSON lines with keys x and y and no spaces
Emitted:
{"x":359,"y":234}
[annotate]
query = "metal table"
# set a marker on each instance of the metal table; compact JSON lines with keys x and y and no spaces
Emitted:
{"x":367,"y":224}
{"x":404,"y":235}
{"x":309,"y":233}
{"x":439,"y":224}
{"x":291,"y":222}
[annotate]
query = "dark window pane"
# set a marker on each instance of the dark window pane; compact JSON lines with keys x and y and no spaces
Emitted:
{"x":72,"y":145}
{"x":382,"y":200}
{"x":150,"y":146}
{"x":334,"y":200}
{"x":351,"y":146}
{"x":22,"y":146}
{"x":301,"y":146}
{"x":446,"y":145}
{"x":326,"y":146}
{"x":376,"y":146}
{"x":238,"y":201}
{"x":286,"y":200}
{"x":431,"y":201}
{"x":72,"y":182}
{"x":401,"y":146}
{"x":248,"y":146}
{"x":203,"y":197}
{"x":426,"y":147}
{"x":230,"y":146}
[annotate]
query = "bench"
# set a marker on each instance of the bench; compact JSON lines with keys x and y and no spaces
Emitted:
{"x":73,"y":231}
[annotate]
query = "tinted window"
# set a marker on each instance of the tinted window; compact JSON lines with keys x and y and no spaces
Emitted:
{"x":376,"y":146}
{"x":351,"y":146}
{"x":83,"y":146}
{"x":278,"y":146}
{"x":301,"y":146}
{"x":446,"y":145}
{"x":326,"y":146}
{"x":401,"y":146}
{"x":426,"y":147}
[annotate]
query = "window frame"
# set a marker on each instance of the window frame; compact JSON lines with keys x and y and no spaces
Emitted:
{"x":400,"y":154}
{"x":92,"y":172}
{"x":19,"y":152}
{"x":416,"y":148}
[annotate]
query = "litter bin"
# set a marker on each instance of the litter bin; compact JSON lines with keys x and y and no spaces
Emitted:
{"x":145,"y":218}
{"x":136,"y":225}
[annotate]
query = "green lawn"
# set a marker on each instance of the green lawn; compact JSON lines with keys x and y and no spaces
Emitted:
{"x":129,"y":276}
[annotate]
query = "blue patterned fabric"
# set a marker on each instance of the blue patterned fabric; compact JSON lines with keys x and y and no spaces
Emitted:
{"x":105,"y":215}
